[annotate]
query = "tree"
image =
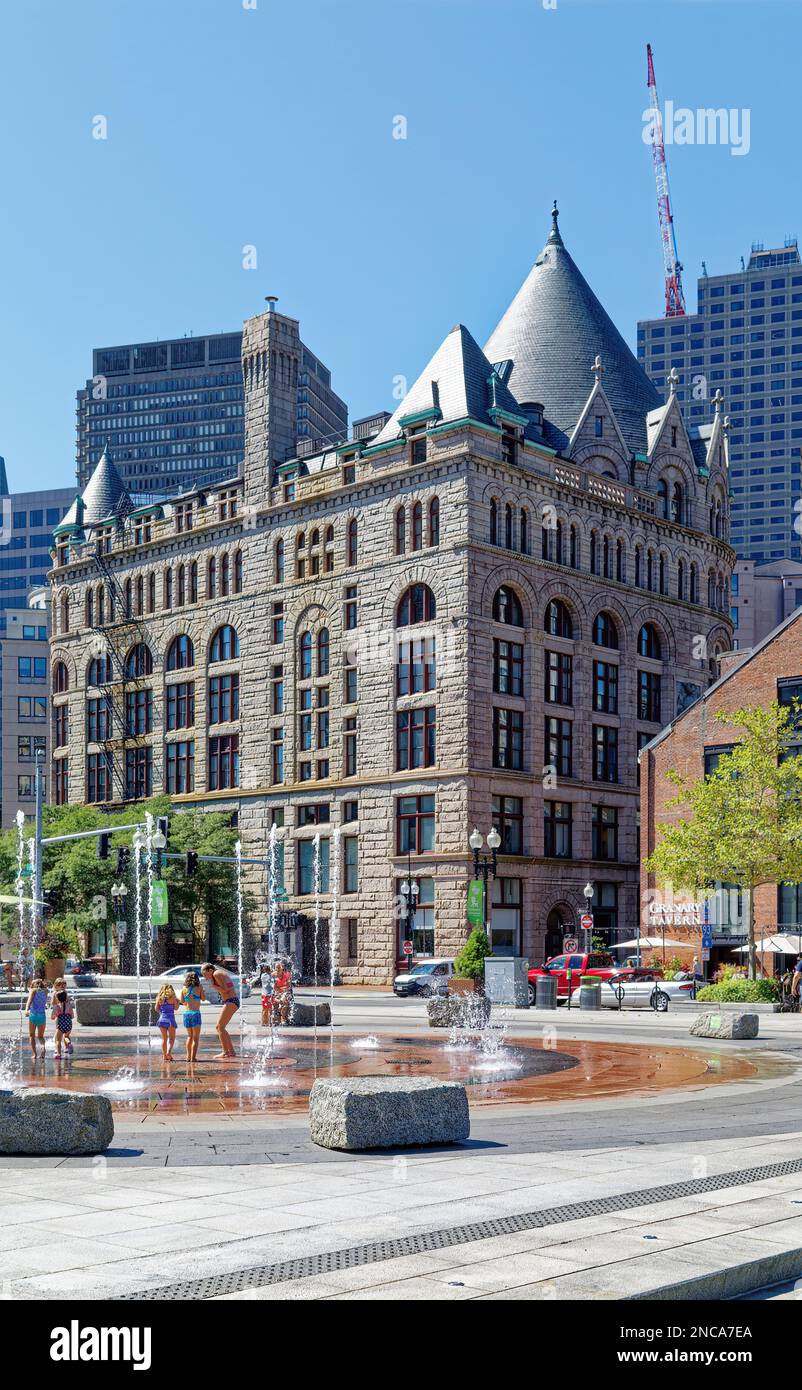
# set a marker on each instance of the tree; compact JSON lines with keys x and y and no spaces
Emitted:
{"x":470,"y":963}
{"x":78,"y":884}
{"x":744,"y":822}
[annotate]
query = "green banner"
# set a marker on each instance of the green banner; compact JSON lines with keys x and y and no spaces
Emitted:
{"x":475,"y":903}
{"x":160,"y":913}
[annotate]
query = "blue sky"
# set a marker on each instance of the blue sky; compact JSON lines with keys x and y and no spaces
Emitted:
{"x":273,"y":127}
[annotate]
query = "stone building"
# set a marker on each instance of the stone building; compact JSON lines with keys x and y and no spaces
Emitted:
{"x":475,"y":615}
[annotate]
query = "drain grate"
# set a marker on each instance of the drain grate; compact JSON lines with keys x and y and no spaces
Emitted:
{"x":285,"y":1271}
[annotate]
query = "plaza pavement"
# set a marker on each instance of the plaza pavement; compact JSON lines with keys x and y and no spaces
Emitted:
{"x":198,"y":1199}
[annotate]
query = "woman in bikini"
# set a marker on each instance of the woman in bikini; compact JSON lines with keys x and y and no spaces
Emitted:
{"x":230,"y":1001}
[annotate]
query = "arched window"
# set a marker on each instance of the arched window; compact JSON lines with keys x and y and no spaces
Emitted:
{"x":353,"y":541}
{"x":605,"y":631}
{"x":237,"y":571}
{"x":649,"y":644}
{"x":314,"y":539}
{"x":507,"y":607}
{"x":180,"y":653}
{"x":558,"y":542}
{"x":139,"y":661}
{"x":323,"y":652}
{"x":152,"y":589}
{"x":224,"y":576}
{"x":168,"y":588}
{"x":650,"y":569}
{"x":508,"y":526}
{"x":182,"y":586}
{"x":594,"y":553}
{"x":193,"y":583}
{"x":211,"y":578}
{"x":678,"y":504}
{"x":693,"y":592}
{"x":711,"y":589}
{"x":638,"y":566}
{"x":680,"y":579}
{"x":662,"y":575}
{"x":329,"y":535}
{"x":224,"y":645}
{"x":417,"y":605}
{"x":524,"y":531}
{"x":101,"y":605}
{"x":662,"y":498}
{"x":400,"y":531}
{"x":417,"y":526}
{"x":573,"y":558}
{"x":61,"y":678}
{"x":493,"y":521}
{"x":305,"y":657}
{"x":607,"y":558}
{"x":90,"y":608}
{"x":129,"y":597}
{"x":65,"y":613}
{"x":279,"y":562}
{"x":140,"y":595}
{"x":434,"y":521}
{"x":99,"y":670}
{"x":558,"y":620}
{"x":620,"y":567}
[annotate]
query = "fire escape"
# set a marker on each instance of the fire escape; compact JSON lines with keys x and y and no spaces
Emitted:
{"x":124,"y":648}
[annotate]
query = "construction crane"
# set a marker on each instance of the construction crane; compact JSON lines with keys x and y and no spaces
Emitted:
{"x":675,"y":300}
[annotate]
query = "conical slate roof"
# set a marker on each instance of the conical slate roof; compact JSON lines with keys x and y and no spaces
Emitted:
{"x":105,"y":495}
{"x":455,"y":383}
{"x":552,"y":332}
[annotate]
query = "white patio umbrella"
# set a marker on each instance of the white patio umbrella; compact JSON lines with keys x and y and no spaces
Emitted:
{"x":781,"y":944}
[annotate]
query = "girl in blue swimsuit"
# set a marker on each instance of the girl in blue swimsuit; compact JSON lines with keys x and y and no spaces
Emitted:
{"x":191,"y":996}
{"x":36,"y":1009}
{"x":165,"y":1006}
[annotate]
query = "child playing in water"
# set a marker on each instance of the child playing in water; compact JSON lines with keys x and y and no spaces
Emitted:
{"x":61,"y":1012}
{"x":36,"y":1009}
{"x":191,"y":996}
{"x":165,"y":1006}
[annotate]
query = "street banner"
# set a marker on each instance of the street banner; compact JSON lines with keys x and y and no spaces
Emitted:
{"x":475,"y":914}
{"x":159,"y":906}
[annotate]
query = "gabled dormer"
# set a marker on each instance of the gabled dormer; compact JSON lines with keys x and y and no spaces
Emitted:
{"x":597,"y":441}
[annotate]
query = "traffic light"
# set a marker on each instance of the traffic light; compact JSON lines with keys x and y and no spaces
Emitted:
{"x":191,"y":863}
{"x":103,"y":845}
{"x":123,"y":859}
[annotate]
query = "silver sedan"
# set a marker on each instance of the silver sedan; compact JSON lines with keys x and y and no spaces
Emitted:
{"x":654,"y":993}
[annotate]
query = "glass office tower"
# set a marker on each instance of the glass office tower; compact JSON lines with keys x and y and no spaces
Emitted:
{"x":746,"y":340}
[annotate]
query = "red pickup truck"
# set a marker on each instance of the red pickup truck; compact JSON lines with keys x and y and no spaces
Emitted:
{"x":591,"y":963}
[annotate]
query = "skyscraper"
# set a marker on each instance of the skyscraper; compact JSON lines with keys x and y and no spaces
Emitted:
{"x":745,"y":340}
{"x":172,"y":412}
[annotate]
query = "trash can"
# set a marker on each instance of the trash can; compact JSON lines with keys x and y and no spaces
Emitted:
{"x":589,"y":992}
{"x":545,"y":992}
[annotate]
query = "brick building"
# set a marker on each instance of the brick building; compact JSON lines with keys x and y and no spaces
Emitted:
{"x":691,"y":746}
{"x":474,"y":612}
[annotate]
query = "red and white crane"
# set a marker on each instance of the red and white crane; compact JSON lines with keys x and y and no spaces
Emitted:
{"x":675,"y":300}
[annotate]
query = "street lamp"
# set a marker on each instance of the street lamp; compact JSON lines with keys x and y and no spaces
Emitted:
{"x":483,"y":865}
{"x":119,"y":893}
{"x":158,"y":841}
{"x":588,"y":895}
{"x":409,"y":892}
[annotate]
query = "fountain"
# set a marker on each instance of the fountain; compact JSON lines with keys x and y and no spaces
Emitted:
{"x":137,"y":844}
{"x":123,"y":1082}
{"x":24,"y":961}
{"x":317,"y":927}
{"x":10,"y":1065}
{"x":240,"y":940}
{"x":369,"y":1044}
{"x":334,"y":929}
{"x":272,"y":892}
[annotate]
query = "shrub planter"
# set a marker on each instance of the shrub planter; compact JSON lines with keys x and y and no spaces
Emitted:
{"x":458,"y":985}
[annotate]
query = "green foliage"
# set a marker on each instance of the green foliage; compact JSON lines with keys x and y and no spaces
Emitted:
{"x":734,"y":991}
{"x":470,"y":963}
{"x":598,"y":943}
{"x":79,"y":884}
{"x":60,"y":941}
{"x":743,"y":823}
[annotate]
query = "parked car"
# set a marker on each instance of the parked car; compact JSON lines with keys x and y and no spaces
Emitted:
{"x":425,"y":978}
{"x":599,"y":963}
{"x":648,"y":991}
{"x":175,"y":977}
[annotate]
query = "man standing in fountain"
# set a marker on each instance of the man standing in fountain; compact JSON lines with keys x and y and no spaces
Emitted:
{"x":230,"y":1000}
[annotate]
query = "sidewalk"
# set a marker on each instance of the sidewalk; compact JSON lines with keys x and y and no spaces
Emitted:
{"x":279,"y":1230}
